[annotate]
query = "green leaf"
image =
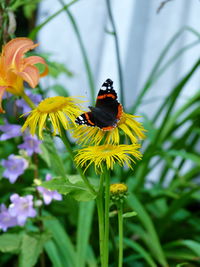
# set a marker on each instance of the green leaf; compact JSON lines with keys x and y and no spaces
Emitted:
{"x":91,"y":259}
{"x":129,"y":214}
{"x":147,"y":257}
{"x":32,"y":246}
{"x":176,"y":254}
{"x":34,"y":32}
{"x":53,"y":253}
{"x":77,"y":190}
{"x":63,"y":243}
{"x":182,"y":264}
{"x":52,"y":157}
{"x":10,"y":242}
{"x":191,"y":244}
{"x":185,"y":155}
{"x":55,"y":69}
{"x":84,"y":222}
{"x":147,"y":223}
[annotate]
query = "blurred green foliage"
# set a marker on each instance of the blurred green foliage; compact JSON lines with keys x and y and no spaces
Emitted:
{"x":166,"y":230}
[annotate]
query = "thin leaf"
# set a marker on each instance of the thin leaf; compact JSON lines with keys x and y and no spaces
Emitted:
{"x":84,"y":222}
{"x":147,"y":257}
{"x":62,"y":241}
{"x":145,"y":219}
{"x":34,"y":32}
{"x":52,"y":252}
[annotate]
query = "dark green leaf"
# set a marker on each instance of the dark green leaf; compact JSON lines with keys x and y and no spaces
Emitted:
{"x":77,"y":190}
{"x":86,"y":211}
{"x":141,"y":251}
{"x":63,"y":243}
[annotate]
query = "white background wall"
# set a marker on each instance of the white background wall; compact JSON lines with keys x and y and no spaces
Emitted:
{"x":143,"y":34}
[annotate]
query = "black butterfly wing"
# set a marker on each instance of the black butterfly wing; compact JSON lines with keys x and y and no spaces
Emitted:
{"x":107,"y":110}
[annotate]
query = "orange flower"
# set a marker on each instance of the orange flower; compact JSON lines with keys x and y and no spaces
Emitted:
{"x":15,"y":68}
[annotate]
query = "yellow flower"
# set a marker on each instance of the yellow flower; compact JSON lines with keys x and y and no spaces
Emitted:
{"x":118,"y":192}
{"x":15,"y":68}
{"x":94,"y":135}
{"x":116,"y":189}
{"x":59,"y":109}
{"x":107,"y":155}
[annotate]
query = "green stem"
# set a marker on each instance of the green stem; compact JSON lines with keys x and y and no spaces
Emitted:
{"x":120,"y":227}
{"x":34,"y":32}
{"x":83,"y":51}
{"x":69,"y":149}
{"x":28,"y":100}
{"x":117,"y":51}
{"x":100,"y":210}
{"x":107,"y":204}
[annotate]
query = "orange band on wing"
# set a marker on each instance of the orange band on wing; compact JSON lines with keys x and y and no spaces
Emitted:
{"x":106,"y":95}
{"x":109,"y":128}
{"x":88,"y":119}
{"x":120,"y":111}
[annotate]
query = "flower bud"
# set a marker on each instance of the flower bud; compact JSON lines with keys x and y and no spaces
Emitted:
{"x":118,"y":192}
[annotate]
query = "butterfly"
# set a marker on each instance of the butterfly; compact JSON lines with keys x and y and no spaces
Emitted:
{"x":107,"y":111}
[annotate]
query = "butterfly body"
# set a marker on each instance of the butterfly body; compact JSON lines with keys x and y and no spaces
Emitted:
{"x":107,"y":111}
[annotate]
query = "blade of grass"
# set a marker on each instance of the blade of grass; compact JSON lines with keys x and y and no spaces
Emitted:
{"x":33,"y":33}
{"x":174,"y":207}
{"x":84,"y":229}
{"x":147,"y":223}
{"x":143,"y":169}
{"x":147,"y":257}
{"x":53,"y":254}
{"x":151,"y":78}
{"x":62,"y":240}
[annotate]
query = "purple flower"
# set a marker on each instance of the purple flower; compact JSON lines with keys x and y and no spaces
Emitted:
{"x":21,"y":208}
{"x":31,"y":145}
{"x":47,"y":194}
{"x":10,"y":131}
{"x":6,"y":220}
{"x":15,"y":166}
{"x":22,"y":104}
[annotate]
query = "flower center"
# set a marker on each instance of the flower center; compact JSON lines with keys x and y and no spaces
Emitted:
{"x":52,"y":104}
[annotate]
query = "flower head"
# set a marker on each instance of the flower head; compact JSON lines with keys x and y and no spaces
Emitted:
{"x":21,"y":208}
{"x":118,"y":192}
{"x":59,"y":109}
{"x":10,"y":131}
{"x":15,"y":68}
{"x":6,"y":220}
{"x":116,"y":189}
{"x":127,"y":125}
{"x":15,"y":166}
{"x":47,"y":194}
{"x":35,"y":98}
{"x":107,"y":155}
{"x":31,"y":145}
